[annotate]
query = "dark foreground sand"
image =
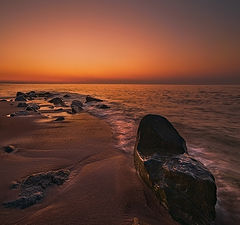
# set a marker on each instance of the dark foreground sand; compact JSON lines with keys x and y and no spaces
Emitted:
{"x":103,"y":187}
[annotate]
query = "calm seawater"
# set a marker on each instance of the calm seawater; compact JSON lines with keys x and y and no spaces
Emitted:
{"x":208,"y":117}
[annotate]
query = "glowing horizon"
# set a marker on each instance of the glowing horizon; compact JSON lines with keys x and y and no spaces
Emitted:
{"x":114,"y":41}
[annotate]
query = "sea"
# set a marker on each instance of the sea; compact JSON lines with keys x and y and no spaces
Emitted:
{"x":206,"y":116}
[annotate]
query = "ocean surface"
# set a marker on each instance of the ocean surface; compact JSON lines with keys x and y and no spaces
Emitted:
{"x":208,"y":117}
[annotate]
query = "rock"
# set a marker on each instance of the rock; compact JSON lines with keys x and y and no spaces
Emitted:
{"x":20,"y":98}
{"x":14,"y":185}
{"x":60,"y":118}
{"x":33,"y":188}
{"x":183,"y":185}
{"x":76,"y":106}
{"x":3,"y":100}
{"x":91,"y":99}
{"x":157,"y":135}
{"x":66,"y":96}
{"x":22,"y":104}
{"x":45,"y":94}
{"x":77,"y":103}
{"x":57,"y":101}
{"x":58,"y":110}
{"x":33,"y":107}
{"x":31,"y":94}
{"x":103,"y":106}
{"x":20,"y":94}
{"x":20,"y":113}
{"x":9,"y":148}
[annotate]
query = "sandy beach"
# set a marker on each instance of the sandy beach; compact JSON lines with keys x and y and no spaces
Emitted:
{"x":102,"y":188}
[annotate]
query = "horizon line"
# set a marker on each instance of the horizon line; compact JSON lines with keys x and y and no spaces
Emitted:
{"x":136,"y":83}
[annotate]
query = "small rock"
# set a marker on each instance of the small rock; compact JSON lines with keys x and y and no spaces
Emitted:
{"x":20,"y":113}
{"x":76,"y":106}
{"x":45,"y":94}
{"x":20,"y":98}
{"x":60,"y":118}
{"x":14,"y":185}
{"x":9,"y":148}
{"x":20,"y":94}
{"x":31,"y":94}
{"x":92,"y":99}
{"x":58,"y":110}
{"x":67,"y":96}
{"x":22,"y":104}
{"x":33,"y":107}
{"x":103,"y":106}
{"x":57,"y":101}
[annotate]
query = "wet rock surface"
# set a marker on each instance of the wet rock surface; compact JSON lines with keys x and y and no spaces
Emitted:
{"x":33,"y":188}
{"x":92,"y":99}
{"x":183,"y":185}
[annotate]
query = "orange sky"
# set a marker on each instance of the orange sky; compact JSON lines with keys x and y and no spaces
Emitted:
{"x":81,"y":41}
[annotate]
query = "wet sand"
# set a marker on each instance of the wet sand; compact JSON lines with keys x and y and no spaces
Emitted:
{"x":102,"y":188}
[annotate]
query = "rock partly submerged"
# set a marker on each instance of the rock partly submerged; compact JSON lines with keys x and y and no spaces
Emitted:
{"x":33,"y":188}
{"x":20,"y":98}
{"x":57,"y":101}
{"x":60,"y":118}
{"x":33,"y":107}
{"x":76,"y":106}
{"x":92,"y":99}
{"x":183,"y":185}
{"x":103,"y":106}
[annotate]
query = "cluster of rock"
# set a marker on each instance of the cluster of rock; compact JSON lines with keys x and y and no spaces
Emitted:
{"x":76,"y":106}
{"x":20,"y":96}
{"x":183,"y":185}
{"x":32,"y":189}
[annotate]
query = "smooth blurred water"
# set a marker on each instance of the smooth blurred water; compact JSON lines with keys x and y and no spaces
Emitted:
{"x":208,"y":117}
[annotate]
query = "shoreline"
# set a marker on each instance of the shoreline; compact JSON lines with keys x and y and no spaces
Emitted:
{"x":102,"y":188}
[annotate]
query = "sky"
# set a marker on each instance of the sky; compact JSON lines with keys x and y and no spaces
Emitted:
{"x":120,"y":41}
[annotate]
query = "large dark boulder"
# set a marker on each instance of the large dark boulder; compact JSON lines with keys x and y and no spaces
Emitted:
{"x":183,"y":185}
{"x":157,"y":135}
